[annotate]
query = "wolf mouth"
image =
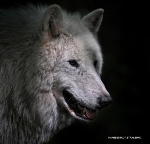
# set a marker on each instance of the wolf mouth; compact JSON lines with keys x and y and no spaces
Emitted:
{"x":75,"y":106}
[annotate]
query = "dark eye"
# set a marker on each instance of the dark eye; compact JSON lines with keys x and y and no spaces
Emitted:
{"x":95,"y":63}
{"x":73,"y":63}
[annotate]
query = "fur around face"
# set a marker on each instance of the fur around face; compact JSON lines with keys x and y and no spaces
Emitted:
{"x":36,"y":46}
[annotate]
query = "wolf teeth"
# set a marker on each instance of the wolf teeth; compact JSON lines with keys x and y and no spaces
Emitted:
{"x":84,"y":111}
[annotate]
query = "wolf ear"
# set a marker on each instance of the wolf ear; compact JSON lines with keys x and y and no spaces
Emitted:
{"x":93,"y":20}
{"x":52,"y":21}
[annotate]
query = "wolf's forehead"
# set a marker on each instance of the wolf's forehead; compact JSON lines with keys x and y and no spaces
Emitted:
{"x":84,"y":47}
{"x":89,"y":47}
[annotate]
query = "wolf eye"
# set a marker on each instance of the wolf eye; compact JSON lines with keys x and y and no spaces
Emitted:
{"x":73,"y":63}
{"x":95,"y":63}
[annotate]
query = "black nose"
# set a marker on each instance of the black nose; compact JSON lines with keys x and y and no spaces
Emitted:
{"x":104,"y":101}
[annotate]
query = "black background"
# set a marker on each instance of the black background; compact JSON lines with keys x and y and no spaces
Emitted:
{"x":123,"y":35}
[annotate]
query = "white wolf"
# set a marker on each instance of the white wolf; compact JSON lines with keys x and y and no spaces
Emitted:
{"x":50,"y":66}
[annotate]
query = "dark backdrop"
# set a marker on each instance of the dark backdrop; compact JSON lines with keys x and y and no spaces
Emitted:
{"x":123,"y":36}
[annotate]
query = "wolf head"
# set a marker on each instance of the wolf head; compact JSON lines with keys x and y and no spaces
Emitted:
{"x":74,"y":57}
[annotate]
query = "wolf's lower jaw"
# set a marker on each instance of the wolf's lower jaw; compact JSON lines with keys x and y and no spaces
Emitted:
{"x":76,"y":109}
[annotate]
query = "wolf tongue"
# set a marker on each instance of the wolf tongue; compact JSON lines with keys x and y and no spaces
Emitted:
{"x":90,"y":114}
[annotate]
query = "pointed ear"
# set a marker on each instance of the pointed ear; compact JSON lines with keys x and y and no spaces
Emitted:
{"x":52,"y":21}
{"x":93,"y":20}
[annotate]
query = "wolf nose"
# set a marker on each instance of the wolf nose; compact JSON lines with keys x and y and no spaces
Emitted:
{"x":104,"y":101}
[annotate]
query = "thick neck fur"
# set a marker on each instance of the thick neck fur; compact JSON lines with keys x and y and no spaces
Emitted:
{"x":15,"y":130}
